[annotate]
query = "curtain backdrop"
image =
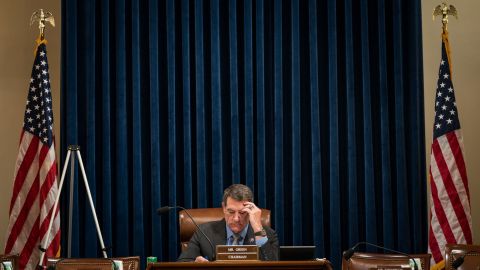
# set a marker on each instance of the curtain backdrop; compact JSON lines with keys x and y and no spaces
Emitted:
{"x":316,"y":105}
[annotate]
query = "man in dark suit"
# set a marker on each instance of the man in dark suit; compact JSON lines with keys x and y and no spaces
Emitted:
{"x":241,"y":226}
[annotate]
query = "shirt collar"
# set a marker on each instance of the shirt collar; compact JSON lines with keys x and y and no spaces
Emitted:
{"x":243,"y":233}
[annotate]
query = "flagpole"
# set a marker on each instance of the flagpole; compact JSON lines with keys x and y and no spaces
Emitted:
{"x":436,"y":246}
{"x":42,"y":17}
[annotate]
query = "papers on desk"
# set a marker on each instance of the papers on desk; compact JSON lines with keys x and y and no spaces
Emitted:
{"x":6,"y":265}
{"x":118,"y":265}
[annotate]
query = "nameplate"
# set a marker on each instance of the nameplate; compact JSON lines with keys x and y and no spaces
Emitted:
{"x":237,"y":253}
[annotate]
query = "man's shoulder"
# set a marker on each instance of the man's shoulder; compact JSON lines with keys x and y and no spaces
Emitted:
{"x":213,"y":224}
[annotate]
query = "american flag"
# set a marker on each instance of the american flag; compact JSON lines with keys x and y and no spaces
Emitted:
{"x":451,"y":220}
{"x":35,"y":178}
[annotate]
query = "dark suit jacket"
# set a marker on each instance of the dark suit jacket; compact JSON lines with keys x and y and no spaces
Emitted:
{"x":217,"y":233}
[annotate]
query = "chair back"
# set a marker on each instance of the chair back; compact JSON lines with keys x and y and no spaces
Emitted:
{"x":203,"y":215}
{"x":13,"y":258}
{"x":366,"y":261}
{"x":129,"y":263}
{"x":80,"y":263}
{"x":454,"y":251}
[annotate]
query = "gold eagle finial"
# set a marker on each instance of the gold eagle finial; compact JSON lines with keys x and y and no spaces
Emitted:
{"x":42,"y":17}
{"x":444,"y":10}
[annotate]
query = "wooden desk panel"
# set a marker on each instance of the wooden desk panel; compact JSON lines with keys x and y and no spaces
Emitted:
{"x":244,"y":265}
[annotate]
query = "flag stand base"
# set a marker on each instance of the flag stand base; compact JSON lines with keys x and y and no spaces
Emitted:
{"x":75,"y":149}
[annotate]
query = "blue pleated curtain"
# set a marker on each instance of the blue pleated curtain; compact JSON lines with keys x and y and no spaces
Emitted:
{"x":316,"y":105}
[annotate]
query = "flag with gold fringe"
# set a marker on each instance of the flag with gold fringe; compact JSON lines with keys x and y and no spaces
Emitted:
{"x":35,"y":178}
{"x":450,"y":217}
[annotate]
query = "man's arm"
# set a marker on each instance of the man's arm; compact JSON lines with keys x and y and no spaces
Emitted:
{"x":269,"y":251}
{"x":193,"y":250}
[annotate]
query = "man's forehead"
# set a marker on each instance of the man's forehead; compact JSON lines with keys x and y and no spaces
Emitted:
{"x":233,"y":204}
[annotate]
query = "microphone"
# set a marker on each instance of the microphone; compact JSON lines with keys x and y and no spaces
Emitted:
{"x":165,"y":209}
{"x":349,"y":253}
{"x":459,"y":261}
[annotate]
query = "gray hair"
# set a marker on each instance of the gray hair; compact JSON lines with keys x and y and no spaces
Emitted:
{"x":238,"y":192}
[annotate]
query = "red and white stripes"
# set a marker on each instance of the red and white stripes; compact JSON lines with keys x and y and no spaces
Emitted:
{"x":34,"y":192}
{"x":450,"y":200}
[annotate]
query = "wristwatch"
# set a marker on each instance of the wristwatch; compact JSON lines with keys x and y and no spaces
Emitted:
{"x":262,"y":233}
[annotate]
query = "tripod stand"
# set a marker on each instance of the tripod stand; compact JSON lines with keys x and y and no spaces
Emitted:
{"x":76,"y":149}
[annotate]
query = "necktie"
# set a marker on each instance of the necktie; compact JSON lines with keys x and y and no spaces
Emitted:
{"x":236,"y":239}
